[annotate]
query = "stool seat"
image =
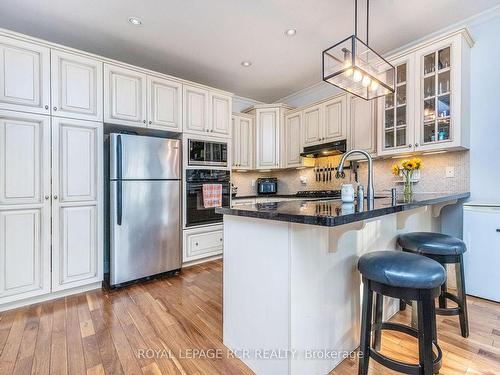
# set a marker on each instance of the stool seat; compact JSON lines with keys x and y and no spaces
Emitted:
{"x":427,"y":243}
{"x":403,"y":270}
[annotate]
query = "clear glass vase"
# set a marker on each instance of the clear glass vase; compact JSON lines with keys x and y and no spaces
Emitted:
{"x":408,"y":187}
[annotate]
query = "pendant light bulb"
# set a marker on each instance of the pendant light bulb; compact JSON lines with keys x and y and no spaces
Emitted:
{"x":366,"y":81}
{"x":357,"y":76}
{"x":374,"y":86}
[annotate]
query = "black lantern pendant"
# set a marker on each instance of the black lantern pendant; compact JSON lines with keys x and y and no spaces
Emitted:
{"x":354,"y":67}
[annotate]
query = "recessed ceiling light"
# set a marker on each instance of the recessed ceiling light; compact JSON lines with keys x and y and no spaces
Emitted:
{"x":246,"y":64}
{"x":290,"y":32}
{"x":135,"y":21}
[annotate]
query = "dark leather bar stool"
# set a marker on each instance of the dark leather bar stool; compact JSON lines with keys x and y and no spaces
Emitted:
{"x":445,"y":250}
{"x":403,"y":276}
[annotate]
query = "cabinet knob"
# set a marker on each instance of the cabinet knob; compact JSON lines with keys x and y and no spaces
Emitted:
{"x":409,"y":146}
{"x":498,"y":230}
{"x":150,"y":122}
{"x":144,"y":121}
{"x":55,"y":108}
{"x":47,"y":197}
{"x":55,"y":196}
{"x":196,"y":243}
{"x":220,"y":239}
{"x":46,"y":107}
{"x":416,"y":145}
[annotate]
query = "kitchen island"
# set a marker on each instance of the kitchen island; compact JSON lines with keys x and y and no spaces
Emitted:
{"x":291,"y":288}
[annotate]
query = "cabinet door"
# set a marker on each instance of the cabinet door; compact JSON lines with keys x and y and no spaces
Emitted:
{"x":24,"y":205}
{"x":293,"y":139}
{"x":164,"y":104}
{"x":195,"y":103}
{"x":124,"y":96}
{"x":312,"y":131}
{"x":77,"y":87}
{"x":245,"y":143}
{"x":77,"y":256}
{"x":268,"y":138}
{"x":220,"y":114}
{"x":363,"y":125}
{"x":395,"y":118}
{"x":335,"y":121}
{"x":235,"y":123}
{"x":24,"y":76}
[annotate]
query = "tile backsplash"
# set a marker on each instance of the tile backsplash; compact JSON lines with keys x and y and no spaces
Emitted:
{"x":432,"y":176}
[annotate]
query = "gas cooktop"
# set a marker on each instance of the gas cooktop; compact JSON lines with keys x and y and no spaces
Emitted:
{"x":319,"y":194}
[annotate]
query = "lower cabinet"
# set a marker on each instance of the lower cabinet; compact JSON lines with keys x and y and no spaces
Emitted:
{"x":199,"y":243}
{"x":43,"y":222}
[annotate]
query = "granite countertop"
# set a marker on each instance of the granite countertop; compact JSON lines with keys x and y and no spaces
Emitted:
{"x":332,"y":212}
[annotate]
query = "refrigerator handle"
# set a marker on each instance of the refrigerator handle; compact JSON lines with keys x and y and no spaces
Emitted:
{"x":119,"y":180}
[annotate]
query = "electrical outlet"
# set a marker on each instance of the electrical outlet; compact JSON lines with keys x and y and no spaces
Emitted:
{"x":450,"y":172}
{"x":253,"y":183}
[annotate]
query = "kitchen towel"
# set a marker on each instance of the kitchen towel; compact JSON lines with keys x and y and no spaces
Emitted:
{"x":212,"y":195}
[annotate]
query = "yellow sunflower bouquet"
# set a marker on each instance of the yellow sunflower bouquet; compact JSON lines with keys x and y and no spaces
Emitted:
{"x":405,"y":170}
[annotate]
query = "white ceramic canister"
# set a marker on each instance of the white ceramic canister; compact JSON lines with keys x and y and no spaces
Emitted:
{"x":347,"y":193}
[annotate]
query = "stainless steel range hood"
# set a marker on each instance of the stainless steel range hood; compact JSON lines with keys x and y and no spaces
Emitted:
{"x":325,"y":149}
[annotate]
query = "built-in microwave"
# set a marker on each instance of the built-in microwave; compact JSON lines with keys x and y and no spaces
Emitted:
{"x":207,"y":153}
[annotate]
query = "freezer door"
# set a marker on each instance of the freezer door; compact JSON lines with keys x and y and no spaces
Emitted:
{"x":134,"y":157}
{"x":145,"y":229}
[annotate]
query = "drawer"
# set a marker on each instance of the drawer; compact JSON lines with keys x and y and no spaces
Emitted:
{"x":241,"y":202}
{"x":202,"y":243}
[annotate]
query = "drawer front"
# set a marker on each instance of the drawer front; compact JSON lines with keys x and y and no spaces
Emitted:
{"x":202,"y":244}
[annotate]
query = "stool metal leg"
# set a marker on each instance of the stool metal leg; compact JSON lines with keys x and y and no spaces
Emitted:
{"x":379,"y":309}
{"x":425,"y":335}
{"x":366,"y":328}
{"x":460,"y":275}
{"x":442,"y":299}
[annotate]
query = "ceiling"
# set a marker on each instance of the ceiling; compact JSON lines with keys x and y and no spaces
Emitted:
{"x":206,"y":40}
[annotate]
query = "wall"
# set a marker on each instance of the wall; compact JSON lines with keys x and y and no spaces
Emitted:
{"x":240,"y":103}
{"x":432,"y":177}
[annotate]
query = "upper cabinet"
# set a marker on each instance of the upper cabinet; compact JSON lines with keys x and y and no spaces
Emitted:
{"x":124,"y":96}
{"x":24,"y":76}
{"x":325,"y":122}
{"x":430,"y":109}
{"x":293,"y":135}
{"x":206,"y":112}
{"x":362,"y":125}
{"x":164,"y":104}
{"x":242,"y":144}
{"x":77,"y":86}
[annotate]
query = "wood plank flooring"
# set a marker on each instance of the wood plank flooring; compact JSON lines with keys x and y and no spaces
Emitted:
{"x":150,"y":329}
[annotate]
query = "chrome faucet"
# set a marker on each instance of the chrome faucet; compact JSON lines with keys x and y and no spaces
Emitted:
{"x":340,"y":173}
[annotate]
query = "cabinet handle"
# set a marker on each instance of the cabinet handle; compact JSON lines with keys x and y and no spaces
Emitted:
{"x":47,"y":197}
{"x":55,"y":108}
{"x":46,"y":107}
{"x":55,"y":196}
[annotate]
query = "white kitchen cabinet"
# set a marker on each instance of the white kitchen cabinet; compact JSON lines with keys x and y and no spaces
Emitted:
{"x":124,"y":96}
{"x":325,"y":122}
{"x":362,"y":125}
{"x":199,"y":243}
{"x":164,"y":102}
{"x":76,"y":86}
{"x":196,"y":113}
{"x":242,"y":144}
{"x":293,"y":128}
{"x":24,"y":76}
{"x":220,"y":114}
{"x":242,"y":202}
{"x":77,"y":244}
{"x":481,"y":260}
{"x":24,"y":205}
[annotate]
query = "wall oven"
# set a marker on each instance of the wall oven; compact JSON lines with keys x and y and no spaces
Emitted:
{"x":207,"y":153}
{"x":196,"y":213}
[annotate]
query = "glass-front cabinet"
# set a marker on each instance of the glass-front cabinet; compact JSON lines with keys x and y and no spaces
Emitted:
{"x":396,"y":112}
{"x":429,"y":110}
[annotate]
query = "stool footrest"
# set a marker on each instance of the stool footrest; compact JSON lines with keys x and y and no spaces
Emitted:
{"x":407,"y":368}
{"x":449,"y":311}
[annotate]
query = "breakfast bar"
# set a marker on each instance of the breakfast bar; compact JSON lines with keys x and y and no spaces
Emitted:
{"x":291,"y":288}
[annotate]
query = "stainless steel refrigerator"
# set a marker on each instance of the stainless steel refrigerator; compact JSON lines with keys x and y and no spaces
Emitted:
{"x":144,"y":206}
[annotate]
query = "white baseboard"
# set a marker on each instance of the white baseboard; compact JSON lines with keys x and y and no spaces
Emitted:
{"x":204,"y":260}
{"x":50,"y":296}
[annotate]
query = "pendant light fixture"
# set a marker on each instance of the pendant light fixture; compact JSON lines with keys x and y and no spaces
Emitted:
{"x":354,"y":67}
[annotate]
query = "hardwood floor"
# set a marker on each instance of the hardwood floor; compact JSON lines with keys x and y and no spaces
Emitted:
{"x":155,"y":328}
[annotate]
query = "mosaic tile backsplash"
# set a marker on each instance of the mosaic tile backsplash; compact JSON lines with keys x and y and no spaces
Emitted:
{"x":432,"y":176}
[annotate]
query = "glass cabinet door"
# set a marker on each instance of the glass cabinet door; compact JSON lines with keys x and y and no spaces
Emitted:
{"x":395,"y":112}
{"x":435,"y":96}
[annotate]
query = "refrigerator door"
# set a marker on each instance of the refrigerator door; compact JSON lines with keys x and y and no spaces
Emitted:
{"x":134,"y":157}
{"x":145,"y":229}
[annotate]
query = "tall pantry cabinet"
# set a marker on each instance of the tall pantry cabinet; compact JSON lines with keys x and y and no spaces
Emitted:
{"x":50,"y":170}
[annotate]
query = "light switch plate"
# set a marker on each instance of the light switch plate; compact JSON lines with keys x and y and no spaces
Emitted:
{"x":253,"y":183}
{"x":450,"y":172}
